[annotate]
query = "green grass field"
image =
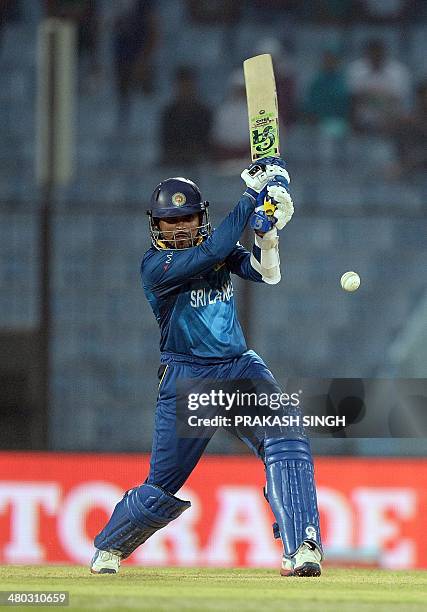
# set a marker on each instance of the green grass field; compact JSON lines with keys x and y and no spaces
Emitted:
{"x":176,"y":589}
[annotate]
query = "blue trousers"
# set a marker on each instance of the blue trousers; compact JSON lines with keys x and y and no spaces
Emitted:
{"x":173,"y":458}
{"x":290,"y":487}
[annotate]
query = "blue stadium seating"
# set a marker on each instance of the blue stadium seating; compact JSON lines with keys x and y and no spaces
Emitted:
{"x":104,"y":356}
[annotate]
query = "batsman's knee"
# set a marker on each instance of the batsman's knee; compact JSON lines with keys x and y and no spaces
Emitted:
{"x":278,"y":449}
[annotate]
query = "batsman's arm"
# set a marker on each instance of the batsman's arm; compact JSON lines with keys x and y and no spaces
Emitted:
{"x":164,"y":271}
{"x":265,"y":258}
{"x":262,"y":265}
{"x":238,"y":262}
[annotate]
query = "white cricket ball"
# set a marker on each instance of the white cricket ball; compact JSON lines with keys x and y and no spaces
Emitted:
{"x":350,"y":281}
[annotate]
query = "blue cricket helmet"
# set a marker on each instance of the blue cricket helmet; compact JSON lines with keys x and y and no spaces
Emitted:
{"x":177,"y":197}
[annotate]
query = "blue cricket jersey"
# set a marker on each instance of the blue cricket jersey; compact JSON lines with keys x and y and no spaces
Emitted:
{"x":191,"y":293}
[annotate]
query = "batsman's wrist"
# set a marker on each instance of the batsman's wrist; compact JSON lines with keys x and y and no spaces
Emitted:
{"x":268,"y":240}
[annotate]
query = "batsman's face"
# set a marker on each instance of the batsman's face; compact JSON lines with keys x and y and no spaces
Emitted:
{"x":180,"y":232}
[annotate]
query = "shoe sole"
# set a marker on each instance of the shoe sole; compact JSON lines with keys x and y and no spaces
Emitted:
{"x":105,"y":570}
{"x":286,"y":573}
{"x":308,"y":569}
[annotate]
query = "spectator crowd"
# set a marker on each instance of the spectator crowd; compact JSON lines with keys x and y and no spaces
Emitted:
{"x":373,"y":94}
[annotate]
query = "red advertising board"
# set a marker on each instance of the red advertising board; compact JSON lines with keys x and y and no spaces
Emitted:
{"x":52,"y":505}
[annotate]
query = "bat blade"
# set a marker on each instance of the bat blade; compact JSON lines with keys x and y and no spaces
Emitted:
{"x":262,"y":106}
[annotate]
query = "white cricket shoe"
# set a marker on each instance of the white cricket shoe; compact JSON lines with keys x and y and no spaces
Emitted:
{"x":287,"y":568}
{"x":104,"y":562}
{"x":307,"y":560}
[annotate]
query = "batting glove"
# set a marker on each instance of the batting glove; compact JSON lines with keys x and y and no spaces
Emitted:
{"x":260,"y":172}
{"x":279,"y":200}
{"x":278,"y":190}
{"x":260,"y":221}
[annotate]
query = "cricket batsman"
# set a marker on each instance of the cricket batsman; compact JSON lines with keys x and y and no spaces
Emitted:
{"x":186,"y":275}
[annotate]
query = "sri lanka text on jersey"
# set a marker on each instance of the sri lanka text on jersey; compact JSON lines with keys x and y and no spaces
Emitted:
{"x":205,"y":296}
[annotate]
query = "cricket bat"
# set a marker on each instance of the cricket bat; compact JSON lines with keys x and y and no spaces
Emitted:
{"x":263,"y":111}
